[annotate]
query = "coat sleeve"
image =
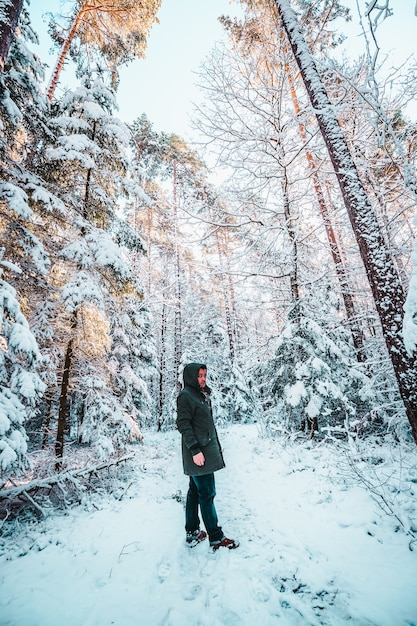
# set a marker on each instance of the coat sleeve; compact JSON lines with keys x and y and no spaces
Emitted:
{"x":185,"y":412}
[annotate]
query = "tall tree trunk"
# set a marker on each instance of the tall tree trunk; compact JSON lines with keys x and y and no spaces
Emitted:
{"x":64,"y":51}
{"x":63,"y":396}
{"x":177,"y":323}
{"x":11,"y":10}
{"x":355,"y":330}
{"x":232,"y":297}
{"x":382,"y":274}
{"x":149,"y":247}
{"x":291,"y":227}
{"x":47,"y":418}
{"x":387,"y":225}
{"x":162,"y":363}
{"x":221,"y":246}
{"x":227,"y":306}
{"x":87,"y":188}
{"x":232,"y":304}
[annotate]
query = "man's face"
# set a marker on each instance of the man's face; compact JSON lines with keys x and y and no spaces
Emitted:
{"x":202,"y":376}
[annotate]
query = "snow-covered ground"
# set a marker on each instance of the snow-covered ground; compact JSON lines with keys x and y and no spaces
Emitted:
{"x":317,"y":547}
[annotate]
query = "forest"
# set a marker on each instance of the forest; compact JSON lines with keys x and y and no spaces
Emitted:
{"x":279,"y":249}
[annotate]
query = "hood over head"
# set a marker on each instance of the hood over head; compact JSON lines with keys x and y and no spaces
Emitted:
{"x":190,"y":374}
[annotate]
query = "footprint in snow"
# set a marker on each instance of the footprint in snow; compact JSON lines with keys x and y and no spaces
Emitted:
{"x":174,"y":618}
{"x":192,"y":593}
{"x":259,"y":591}
{"x":164,"y":569}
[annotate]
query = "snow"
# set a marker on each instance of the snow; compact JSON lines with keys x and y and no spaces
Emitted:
{"x":26,"y":384}
{"x":316,"y":546}
{"x":73,"y":149}
{"x":49,"y":200}
{"x":410,"y":309}
{"x":79,"y":290}
{"x":294,"y":393}
{"x":107,"y":253}
{"x":17,"y":200}
{"x":21,"y":340}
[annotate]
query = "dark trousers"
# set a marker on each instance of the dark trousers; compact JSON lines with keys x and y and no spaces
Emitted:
{"x":201,"y":492}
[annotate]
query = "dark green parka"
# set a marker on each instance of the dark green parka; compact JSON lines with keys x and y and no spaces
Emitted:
{"x":196,"y":425}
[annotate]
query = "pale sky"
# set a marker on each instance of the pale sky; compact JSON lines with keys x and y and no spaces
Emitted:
{"x":162,"y":84}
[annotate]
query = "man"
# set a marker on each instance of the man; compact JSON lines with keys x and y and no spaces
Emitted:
{"x":202,"y":456}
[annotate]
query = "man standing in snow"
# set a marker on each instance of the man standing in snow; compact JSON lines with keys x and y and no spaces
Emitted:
{"x":201,"y":456}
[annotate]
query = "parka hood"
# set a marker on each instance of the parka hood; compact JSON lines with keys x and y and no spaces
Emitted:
{"x":190,"y":375}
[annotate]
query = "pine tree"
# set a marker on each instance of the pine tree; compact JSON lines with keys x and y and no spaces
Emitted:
{"x":132,"y":359}
{"x":20,"y":385}
{"x":27,"y":205}
{"x":313,"y":380}
{"x":91,"y":168}
{"x":118,"y":29}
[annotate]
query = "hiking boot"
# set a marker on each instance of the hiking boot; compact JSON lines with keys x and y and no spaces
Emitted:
{"x":231,"y":544}
{"x":197,"y":536}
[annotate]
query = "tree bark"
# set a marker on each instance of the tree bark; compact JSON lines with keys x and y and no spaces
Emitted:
{"x":11,"y":11}
{"x":47,"y":418}
{"x":63,"y":396}
{"x":291,"y":227}
{"x":178,"y":321}
{"x":162,"y":364}
{"x":382,"y":274}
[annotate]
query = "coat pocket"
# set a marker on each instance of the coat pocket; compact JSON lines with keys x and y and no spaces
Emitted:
{"x":203,"y":437}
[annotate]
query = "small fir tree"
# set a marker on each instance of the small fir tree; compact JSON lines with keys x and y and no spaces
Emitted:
{"x":314,"y":381}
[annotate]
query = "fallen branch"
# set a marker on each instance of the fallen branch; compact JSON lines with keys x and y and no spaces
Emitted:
{"x":57,"y":480}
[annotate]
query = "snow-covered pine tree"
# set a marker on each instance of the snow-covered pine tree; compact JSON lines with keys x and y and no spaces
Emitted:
{"x":132,"y":359}
{"x":206,"y":340}
{"x":27,"y":207}
{"x":314,"y":381}
{"x":89,"y":163}
{"x":234,"y":394}
{"x":116,"y":29}
{"x":20,"y":385}
{"x":23,"y":117}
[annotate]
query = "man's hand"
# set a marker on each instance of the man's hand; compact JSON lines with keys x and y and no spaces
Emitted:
{"x":199,"y":459}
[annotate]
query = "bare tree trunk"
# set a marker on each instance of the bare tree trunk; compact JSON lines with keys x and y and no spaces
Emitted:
{"x":382,"y":274}
{"x":149,"y":247}
{"x":11,"y":10}
{"x":177,"y":323}
{"x":47,"y":418}
{"x":162,"y":362}
{"x":227,"y":306}
{"x":291,"y":227}
{"x":63,"y":396}
{"x":232,"y":304}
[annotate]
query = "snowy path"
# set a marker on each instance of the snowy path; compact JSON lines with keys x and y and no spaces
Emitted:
{"x":315,"y":550}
